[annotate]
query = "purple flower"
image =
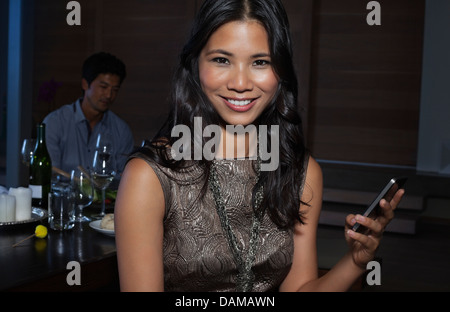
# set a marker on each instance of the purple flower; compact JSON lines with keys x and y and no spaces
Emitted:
{"x":47,"y":91}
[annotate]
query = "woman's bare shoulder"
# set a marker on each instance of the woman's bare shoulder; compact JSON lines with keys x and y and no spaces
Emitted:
{"x":314,"y":171}
{"x":313,"y":189}
{"x":140,"y":184}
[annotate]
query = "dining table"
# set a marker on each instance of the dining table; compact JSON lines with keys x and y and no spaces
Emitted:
{"x":79,"y":259}
{"x":84,"y":258}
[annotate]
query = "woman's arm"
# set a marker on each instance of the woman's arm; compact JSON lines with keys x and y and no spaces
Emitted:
{"x":304,"y":264}
{"x":139,"y":214}
{"x":362,"y":248}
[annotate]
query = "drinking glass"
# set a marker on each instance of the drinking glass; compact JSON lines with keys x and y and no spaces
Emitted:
{"x":28,"y":146}
{"x":103,"y":170}
{"x":83,"y":190}
{"x":61,"y":205}
{"x":104,"y":142}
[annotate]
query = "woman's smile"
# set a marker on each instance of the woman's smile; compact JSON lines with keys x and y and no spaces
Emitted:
{"x":238,"y":105}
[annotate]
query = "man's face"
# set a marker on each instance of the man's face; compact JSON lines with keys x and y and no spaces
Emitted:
{"x":102,"y":92}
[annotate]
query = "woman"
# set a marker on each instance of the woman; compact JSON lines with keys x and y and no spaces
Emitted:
{"x":196,"y":224}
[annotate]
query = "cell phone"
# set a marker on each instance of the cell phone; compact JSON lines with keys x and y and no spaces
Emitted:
{"x":388,"y":192}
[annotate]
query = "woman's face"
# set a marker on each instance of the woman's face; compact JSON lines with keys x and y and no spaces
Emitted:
{"x":236,"y":72}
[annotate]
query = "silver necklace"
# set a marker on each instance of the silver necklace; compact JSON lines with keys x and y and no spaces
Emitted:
{"x":245,"y":277}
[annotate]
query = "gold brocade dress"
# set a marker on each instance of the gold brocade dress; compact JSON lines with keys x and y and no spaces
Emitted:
{"x":197,"y":256}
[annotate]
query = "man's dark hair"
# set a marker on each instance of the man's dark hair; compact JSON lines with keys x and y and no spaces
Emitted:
{"x":103,"y":63}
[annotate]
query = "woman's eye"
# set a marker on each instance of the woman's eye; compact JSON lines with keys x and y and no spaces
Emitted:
{"x":221,"y":60}
{"x":261,"y":63}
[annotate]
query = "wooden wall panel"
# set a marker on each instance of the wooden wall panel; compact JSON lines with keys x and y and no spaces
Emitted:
{"x":365,"y":82}
{"x":59,"y":51}
{"x":146,"y":35}
{"x":149,"y":36}
{"x":300,"y":14}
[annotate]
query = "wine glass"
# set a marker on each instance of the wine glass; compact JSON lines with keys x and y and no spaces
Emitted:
{"x":104,"y":142}
{"x":28,"y":146}
{"x":103,"y":171}
{"x":83,"y":189}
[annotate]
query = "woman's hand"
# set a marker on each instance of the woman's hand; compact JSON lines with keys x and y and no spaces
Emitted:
{"x":364,"y":246}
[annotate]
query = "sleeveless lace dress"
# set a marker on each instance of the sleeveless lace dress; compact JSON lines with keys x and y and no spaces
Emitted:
{"x":197,"y":256}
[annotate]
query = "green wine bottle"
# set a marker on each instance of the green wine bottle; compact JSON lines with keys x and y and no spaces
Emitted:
{"x":40,"y":171}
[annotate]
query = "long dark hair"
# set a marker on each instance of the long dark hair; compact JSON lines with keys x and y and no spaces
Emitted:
{"x":282,"y":186}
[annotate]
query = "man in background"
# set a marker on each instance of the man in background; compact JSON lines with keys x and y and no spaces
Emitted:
{"x":72,"y":130}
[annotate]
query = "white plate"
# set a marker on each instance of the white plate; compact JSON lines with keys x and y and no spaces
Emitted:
{"x":37,"y":214}
{"x":96,"y":226}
